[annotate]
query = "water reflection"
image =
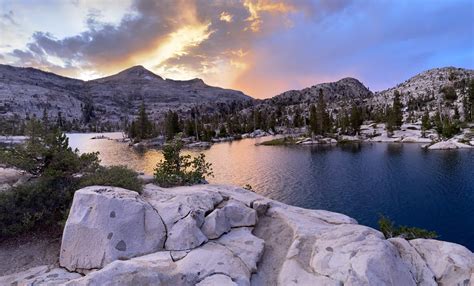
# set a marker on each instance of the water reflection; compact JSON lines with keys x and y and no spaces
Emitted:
{"x":351,"y":147}
{"x":434,"y":190}
{"x":394,"y":148}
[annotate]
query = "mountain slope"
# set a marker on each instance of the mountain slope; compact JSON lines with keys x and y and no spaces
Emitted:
{"x":427,"y":91}
{"x":28,"y":91}
{"x":346,"y":89}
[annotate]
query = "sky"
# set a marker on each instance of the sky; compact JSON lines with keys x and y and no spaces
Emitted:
{"x":262,"y":47}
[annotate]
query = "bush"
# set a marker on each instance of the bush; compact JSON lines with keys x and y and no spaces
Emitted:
{"x":47,"y":153}
{"x":45,"y":201}
{"x":117,"y":176}
{"x":449,"y":93}
{"x":389,"y":230}
{"x":180,"y":170}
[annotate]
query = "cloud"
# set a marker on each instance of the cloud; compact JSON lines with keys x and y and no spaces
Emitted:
{"x":183,"y":38}
{"x":262,"y":47}
{"x":226,"y":17}
{"x":9,"y":17}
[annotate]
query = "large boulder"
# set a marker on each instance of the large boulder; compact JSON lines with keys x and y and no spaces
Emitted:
{"x":213,"y":238}
{"x":238,"y":214}
{"x":176,"y":203}
{"x":358,"y":255}
{"x":452,"y":264}
{"x":227,"y":257}
{"x":216,"y":224}
{"x":449,"y":145}
{"x":243,"y":244}
{"x":106,"y":224}
{"x":422,"y":274}
{"x":186,"y":234}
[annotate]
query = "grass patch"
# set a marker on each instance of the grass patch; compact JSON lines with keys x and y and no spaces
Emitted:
{"x":280,"y":142}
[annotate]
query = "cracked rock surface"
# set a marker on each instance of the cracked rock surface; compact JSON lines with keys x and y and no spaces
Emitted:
{"x":106,"y":224}
{"x":225,"y":235}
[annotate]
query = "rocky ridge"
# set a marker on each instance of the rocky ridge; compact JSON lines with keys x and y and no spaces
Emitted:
{"x":224,"y":235}
{"x":27,"y":92}
{"x":344,"y":90}
{"x":424,"y":90}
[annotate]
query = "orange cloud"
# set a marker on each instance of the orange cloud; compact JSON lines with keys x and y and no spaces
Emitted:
{"x":175,"y":39}
{"x":226,"y":17}
{"x":256,"y":7}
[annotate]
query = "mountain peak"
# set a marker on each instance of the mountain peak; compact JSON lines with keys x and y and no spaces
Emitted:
{"x":134,"y":73}
{"x":139,"y":71}
{"x":348,"y":79}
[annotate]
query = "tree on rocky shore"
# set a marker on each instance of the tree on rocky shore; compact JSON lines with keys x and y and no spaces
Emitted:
{"x":469,"y":106}
{"x":356,"y":118}
{"x":319,"y":118}
{"x":324,"y":120}
{"x":142,"y":127}
{"x":56,"y":172}
{"x":179,"y":170}
{"x":394,"y":117}
{"x":313,"y":120}
{"x":171,"y":125}
{"x":425,"y":123}
{"x":445,"y":126}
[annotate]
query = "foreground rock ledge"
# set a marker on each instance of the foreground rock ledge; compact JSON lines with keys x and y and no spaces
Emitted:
{"x":224,"y":235}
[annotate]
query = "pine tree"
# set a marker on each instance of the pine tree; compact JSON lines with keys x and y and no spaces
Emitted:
{"x":145,"y":127}
{"x":189,"y":129}
{"x":323,"y":119}
{"x":394,"y":115}
{"x":356,"y":118}
{"x":470,"y":100}
{"x":142,"y":127}
{"x":297,"y":118}
{"x":397,"y":109}
{"x":438,"y":123}
{"x":344,"y":122}
{"x":45,"y":118}
{"x":456,"y":115}
{"x":171,"y":124}
{"x":88,"y":111}
{"x":60,"y":121}
{"x":425,"y":123}
{"x":313,"y":120}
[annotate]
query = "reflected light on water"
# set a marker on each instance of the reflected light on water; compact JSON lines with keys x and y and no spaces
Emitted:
{"x":428,"y":189}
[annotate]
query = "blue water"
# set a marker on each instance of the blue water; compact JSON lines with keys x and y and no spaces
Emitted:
{"x":414,"y":187}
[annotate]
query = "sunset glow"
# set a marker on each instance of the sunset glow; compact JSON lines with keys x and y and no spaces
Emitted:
{"x":262,"y":47}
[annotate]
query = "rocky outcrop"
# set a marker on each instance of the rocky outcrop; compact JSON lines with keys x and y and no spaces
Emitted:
{"x":11,"y":177}
{"x":341,"y":90}
{"x":449,"y":145}
{"x":452,"y":264}
{"x":223,"y":235}
{"x":106,"y":224}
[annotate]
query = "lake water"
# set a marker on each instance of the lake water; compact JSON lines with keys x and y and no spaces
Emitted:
{"x":428,"y":189}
